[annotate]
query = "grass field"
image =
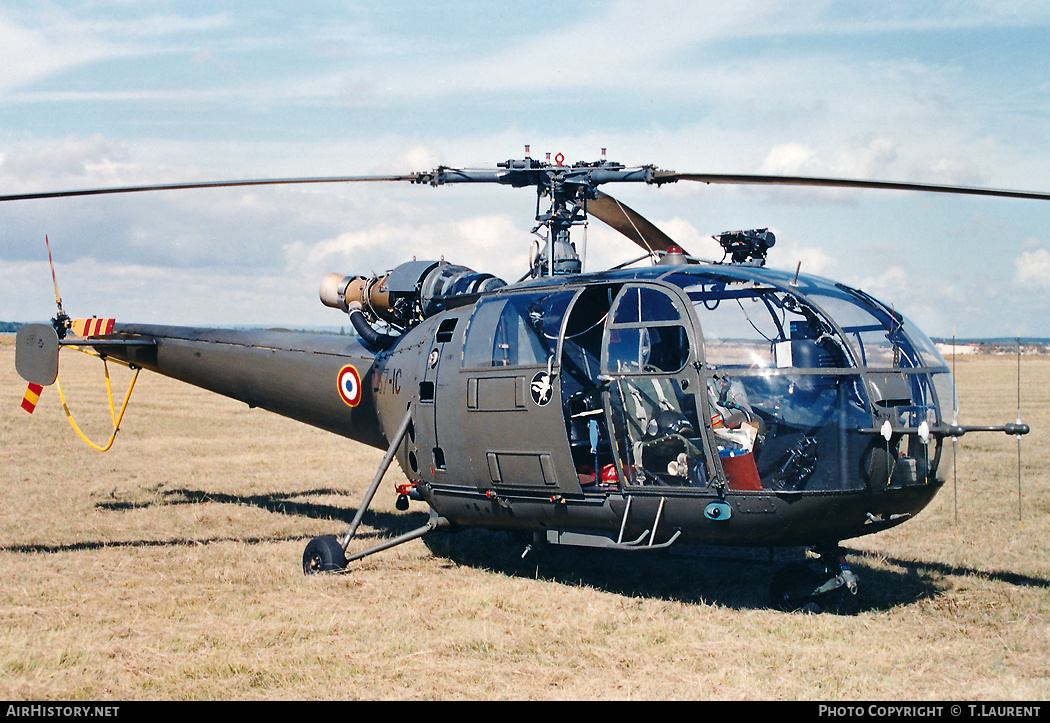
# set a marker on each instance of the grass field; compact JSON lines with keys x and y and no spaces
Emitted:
{"x":169,"y":568}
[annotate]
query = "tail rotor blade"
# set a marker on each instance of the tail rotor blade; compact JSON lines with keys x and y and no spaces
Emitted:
{"x":54,"y":279}
{"x":32,"y":396}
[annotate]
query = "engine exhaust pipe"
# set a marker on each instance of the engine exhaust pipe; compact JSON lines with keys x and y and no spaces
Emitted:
{"x":338,"y":292}
{"x":409,"y":293}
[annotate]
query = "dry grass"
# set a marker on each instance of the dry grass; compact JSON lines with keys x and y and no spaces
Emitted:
{"x":168,"y":568}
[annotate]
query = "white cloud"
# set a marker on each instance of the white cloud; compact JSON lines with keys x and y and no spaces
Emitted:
{"x":40,"y":40}
{"x":701,"y":246}
{"x":950,"y":172}
{"x":891,"y":283}
{"x":491,"y":244}
{"x":28,"y":54}
{"x":791,"y":256}
{"x":63,"y":161}
{"x":1032,"y":269}
{"x":867,"y":157}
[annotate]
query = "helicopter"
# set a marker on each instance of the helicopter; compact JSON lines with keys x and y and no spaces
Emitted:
{"x":715,"y":402}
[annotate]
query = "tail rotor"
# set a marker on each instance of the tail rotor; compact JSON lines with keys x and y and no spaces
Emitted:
{"x":36,"y":356}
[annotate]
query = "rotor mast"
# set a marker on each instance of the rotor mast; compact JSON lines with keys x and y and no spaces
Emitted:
{"x":568,"y":188}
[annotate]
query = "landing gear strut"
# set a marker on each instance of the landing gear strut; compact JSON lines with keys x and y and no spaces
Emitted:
{"x":328,"y":554}
{"x":802,"y":587}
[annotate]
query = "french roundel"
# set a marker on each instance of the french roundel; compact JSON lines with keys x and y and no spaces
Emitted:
{"x":349,"y":384}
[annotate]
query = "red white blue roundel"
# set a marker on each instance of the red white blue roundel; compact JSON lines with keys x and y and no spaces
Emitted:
{"x":349,"y":383}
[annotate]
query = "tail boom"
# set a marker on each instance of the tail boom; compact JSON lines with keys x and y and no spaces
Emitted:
{"x":296,"y":375}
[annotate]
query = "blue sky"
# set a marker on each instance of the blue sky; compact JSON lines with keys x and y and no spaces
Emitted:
{"x":120,"y":93}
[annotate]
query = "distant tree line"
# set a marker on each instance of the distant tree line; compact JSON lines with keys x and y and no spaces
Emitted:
{"x":9,"y":327}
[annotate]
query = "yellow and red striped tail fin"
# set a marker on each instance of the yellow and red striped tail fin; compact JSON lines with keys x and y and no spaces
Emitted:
{"x":92,"y":327}
{"x":31,"y":397}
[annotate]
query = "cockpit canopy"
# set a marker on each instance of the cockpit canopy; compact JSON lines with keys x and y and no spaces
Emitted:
{"x":822,"y":373}
{"x":694,"y":367}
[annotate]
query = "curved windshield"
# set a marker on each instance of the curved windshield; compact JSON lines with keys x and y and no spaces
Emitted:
{"x":905,"y":370}
{"x":801,"y":378}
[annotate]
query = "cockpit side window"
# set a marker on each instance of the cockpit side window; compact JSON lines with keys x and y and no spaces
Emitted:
{"x":644,"y":304}
{"x":647,"y":334}
{"x":514,"y":331}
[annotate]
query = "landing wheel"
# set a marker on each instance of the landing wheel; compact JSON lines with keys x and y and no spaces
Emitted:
{"x":323,"y":554}
{"x":795,"y":588}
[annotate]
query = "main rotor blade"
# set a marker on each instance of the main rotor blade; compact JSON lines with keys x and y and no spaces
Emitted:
{"x":200,"y":184}
{"x":770,"y":180}
{"x":629,"y":222}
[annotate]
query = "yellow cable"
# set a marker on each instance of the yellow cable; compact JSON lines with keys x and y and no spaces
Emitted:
{"x":112,"y":413}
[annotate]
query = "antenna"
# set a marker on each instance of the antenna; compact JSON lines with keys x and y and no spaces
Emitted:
{"x":583,"y":254}
{"x":1018,"y":435}
{"x":54,"y":280}
{"x":955,"y":440}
